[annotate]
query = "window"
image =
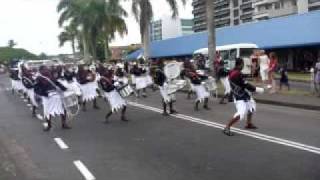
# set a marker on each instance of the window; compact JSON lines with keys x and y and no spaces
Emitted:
{"x":236,"y":13}
{"x":277,"y":5}
{"x":236,"y":22}
{"x":235,"y":3}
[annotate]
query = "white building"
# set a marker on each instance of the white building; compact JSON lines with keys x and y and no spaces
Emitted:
{"x":267,"y":9}
{"x":167,"y":27}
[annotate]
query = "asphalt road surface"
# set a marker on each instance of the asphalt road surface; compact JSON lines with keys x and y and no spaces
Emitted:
{"x":187,"y":146}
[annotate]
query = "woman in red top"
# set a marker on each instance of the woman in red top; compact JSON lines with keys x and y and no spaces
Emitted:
{"x":272,"y":69}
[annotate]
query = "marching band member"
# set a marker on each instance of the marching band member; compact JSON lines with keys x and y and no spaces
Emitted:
{"x":120,"y":74}
{"x":222,"y":75}
{"x":244,"y":103}
{"x":14,"y":76}
{"x":28,"y":80}
{"x":112,"y":95}
{"x":70,"y":82}
{"x":50,"y":90}
{"x":87,"y":80}
{"x":160,"y":79}
{"x":188,"y":67}
{"x":201,"y":92}
{"x":140,"y":80}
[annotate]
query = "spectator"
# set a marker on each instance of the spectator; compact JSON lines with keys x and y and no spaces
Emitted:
{"x":264,"y":66}
{"x":317,"y":74}
{"x":255,"y":66}
{"x":284,"y":80}
{"x":273,"y":63}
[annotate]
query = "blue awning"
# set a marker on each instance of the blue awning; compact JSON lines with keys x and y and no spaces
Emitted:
{"x":284,"y":32}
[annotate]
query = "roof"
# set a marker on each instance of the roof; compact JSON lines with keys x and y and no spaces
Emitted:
{"x":290,"y":31}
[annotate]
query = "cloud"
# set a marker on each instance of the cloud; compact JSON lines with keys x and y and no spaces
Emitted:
{"x":33,"y":24}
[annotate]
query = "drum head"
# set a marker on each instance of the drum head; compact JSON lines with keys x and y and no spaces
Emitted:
{"x":172,"y":70}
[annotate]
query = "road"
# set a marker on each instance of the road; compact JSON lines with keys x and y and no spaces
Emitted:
{"x":188,"y":146}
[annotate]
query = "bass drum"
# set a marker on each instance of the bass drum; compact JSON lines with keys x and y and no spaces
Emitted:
{"x":172,"y":70}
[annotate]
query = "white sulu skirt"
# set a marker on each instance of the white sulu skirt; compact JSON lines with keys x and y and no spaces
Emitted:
{"x":166,"y":97}
{"x":115,"y":100}
{"x":244,"y":107}
{"x":133,"y":79}
{"x":89,"y":91}
{"x":73,"y":86}
{"x":31,"y":95}
{"x":226,"y":85}
{"x":141,"y":82}
{"x":149,"y":80}
{"x":201,"y":92}
{"x":52,"y":105}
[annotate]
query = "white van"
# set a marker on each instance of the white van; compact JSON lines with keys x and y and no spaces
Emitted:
{"x":229,"y":53}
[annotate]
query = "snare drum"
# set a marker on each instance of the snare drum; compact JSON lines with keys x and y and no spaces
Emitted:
{"x":125,"y":90}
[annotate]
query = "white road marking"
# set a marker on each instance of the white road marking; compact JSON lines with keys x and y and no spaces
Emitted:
{"x":84,"y":170}
{"x":61,"y":143}
{"x":29,"y":105}
{"x":255,"y":135}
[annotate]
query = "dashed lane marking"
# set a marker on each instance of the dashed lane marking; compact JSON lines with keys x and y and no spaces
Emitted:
{"x":84,"y":170}
{"x":61,"y":143}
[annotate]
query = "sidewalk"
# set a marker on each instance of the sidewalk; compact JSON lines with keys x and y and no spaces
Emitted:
{"x":298,"y":101}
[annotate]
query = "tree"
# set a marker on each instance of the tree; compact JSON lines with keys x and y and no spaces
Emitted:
{"x":210,"y":5}
{"x":94,"y":19}
{"x":43,"y":56}
{"x":142,"y":10}
{"x":11,"y":43}
{"x":69,"y":33}
{"x":7,"y":54}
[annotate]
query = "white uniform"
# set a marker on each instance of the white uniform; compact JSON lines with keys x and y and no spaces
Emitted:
{"x":244,"y":107}
{"x":52,"y":105}
{"x":264,"y":66}
{"x":115,"y":100}
{"x":201,"y":92}
{"x":165,"y":95}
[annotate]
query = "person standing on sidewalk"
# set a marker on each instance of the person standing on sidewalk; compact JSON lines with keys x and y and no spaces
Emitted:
{"x":264,"y":66}
{"x":284,"y":80}
{"x":243,"y":100}
{"x":317,"y":74}
{"x":273,"y":63}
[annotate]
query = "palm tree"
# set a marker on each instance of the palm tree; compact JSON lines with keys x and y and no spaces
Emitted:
{"x":95,"y":19}
{"x":11,"y":43}
{"x":76,"y":12}
{"x":68,"y":34}
{"x":211,"y":33}
{"x":142,"y":10}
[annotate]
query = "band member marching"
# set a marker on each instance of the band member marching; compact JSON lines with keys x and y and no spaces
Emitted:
{"x":112,"y":95}
{"x":69,"y":81}
{"x":51,"y":90}
{"x":222,"y":75}
{"x":140,"y":80}
{"x":243,"y":100}
{"x":201,"y":92}
{"x":28,"y":80}
{"x":167,"y":99}
{"x":15,"y":80}
{"x":88,"y":86}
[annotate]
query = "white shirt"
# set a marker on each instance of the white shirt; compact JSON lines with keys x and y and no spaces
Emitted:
{"x":264,"y":62}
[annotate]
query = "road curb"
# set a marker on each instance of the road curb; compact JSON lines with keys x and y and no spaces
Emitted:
{"x":279,"y":103}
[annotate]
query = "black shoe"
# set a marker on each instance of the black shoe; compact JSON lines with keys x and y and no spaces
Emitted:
{"x":227,"y":132}
{"x":251,"y":126}
{"x":165,"y":114}
{"x":173,"y":111}
{"x":65,"y":126}
{"x":123,"y":118}
{"x":206,"y":108}
{"x":196,"y":108}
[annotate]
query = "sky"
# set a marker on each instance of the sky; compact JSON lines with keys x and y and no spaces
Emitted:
{"x":33,"y":24}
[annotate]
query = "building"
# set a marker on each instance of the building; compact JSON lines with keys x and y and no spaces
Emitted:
{"x":168,"y":27}
{"x":267,"y":9}
{"x":227,"y":13}
{"x":294,"y":38}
